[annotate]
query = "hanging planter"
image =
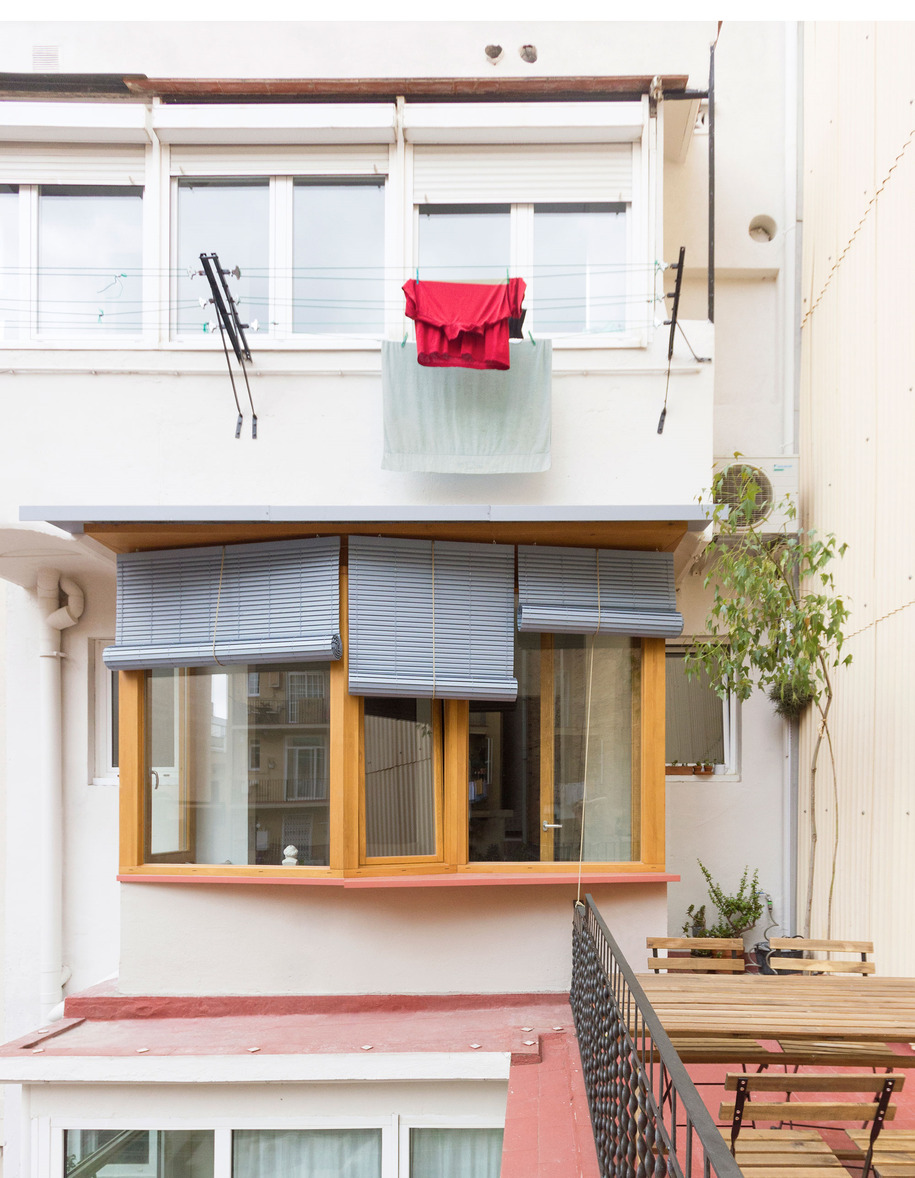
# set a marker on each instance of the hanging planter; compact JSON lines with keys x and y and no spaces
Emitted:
{"x":790,"y":700}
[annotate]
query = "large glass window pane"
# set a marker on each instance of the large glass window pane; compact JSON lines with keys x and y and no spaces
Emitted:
{"x":11,"y":309}
{"x":338,"y":255}
{"x":138,"y":1153}
{"x":464,"y":243}
{"x":399,"y":778}
{"x":90,"y":243}
{"x":230,"y":218}
{"x":579,"y":267}
{"x":505,"y":766}
{"x":562,"y":758}
{"x":306,"y":1153}
{"x":694,"y":717}
{"x":455,"y":1153}
{"x":596,"y":716}
{"x":235,"y":778}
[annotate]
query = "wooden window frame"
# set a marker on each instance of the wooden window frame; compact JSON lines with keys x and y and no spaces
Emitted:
{"x":345,"y":793}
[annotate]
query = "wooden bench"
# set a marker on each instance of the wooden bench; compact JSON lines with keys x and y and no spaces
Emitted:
{"x":853,"y":959}
{"x":805,"y":1150}
{"x":728,"y":954}
{"x":894,"y":1152}
{"x":792,"y":1153}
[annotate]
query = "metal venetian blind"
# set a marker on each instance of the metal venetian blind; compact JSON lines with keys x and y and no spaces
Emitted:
{"x":590,"y":591}
{"x":516,"y":173}
{"x":195,"y":607}
{"x":279,"y":160}
{"x":46,"y":163}
{"x":431,"y":619}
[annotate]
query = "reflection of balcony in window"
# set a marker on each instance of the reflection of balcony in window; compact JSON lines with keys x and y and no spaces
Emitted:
{"x":279,"y":790}
{"x":306,"y":711}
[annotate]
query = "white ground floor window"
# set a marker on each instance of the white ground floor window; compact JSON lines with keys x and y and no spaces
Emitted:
{"x":395,"y":1149}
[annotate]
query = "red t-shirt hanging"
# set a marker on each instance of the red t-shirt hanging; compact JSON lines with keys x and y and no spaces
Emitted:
{"x":463,"y":324}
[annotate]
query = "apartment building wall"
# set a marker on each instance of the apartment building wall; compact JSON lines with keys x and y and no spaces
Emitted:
{"x":153,"y":426}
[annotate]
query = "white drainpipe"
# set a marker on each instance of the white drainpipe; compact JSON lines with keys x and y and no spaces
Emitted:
{"x":50,"y":914}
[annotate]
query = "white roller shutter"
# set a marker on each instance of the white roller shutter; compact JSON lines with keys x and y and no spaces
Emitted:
{"x":368,"y":160}
{"x":522,"y":173}
{"x":42,"y":163}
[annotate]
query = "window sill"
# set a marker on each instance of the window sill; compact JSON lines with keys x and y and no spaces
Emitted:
{"x":446,"y":879}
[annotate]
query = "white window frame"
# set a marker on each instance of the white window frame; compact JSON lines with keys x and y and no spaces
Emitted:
{"x":47,"y":1159}
{"x":147,"y":1170}
{"x":521,"y":265}
{"x":102,"y":771}
{"x":730,"y":726}
{"x":27,"y":262}
{"x":280,"y":251}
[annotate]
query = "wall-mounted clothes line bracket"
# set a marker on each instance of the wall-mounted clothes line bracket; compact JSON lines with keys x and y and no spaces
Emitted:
{"x":672,"y":323}
{"x":231,"y":328}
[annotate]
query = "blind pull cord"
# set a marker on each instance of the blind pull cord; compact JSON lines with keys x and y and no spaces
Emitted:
{"x":222,"y":565}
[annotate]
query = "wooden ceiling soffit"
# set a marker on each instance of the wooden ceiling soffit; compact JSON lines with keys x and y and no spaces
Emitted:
{"x":646,"y":536}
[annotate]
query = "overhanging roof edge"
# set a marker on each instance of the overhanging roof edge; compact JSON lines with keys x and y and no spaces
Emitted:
{"x":74,"y":518}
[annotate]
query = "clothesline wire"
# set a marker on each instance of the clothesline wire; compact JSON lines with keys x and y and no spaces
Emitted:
{"x":495,"y":273}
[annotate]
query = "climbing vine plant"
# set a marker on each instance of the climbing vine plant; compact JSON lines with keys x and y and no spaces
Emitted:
{"x":775,"y":623}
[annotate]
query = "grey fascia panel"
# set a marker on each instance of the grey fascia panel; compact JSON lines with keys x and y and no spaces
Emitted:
{"x":431,"y":619}
{"x":239,"y":603}
{"x":597,"y":591}
{"x":74,"y":518}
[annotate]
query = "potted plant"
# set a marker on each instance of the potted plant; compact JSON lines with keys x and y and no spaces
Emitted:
{"x":775,"y":623}
{"x":675,"y":769}
{"x":737,"y":911}
{"x":704,"y":769}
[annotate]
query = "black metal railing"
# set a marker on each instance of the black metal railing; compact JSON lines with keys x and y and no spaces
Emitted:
{"x":648,"y":1118}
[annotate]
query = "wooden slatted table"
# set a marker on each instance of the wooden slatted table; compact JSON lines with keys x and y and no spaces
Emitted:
{"x":757,"y":1006}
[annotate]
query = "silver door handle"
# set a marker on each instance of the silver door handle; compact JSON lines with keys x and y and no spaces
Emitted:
{"x":156,"y":776}
{"x":551,"y":825}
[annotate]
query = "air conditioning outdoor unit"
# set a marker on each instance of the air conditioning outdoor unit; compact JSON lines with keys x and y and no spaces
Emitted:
{"x":776,"y":477}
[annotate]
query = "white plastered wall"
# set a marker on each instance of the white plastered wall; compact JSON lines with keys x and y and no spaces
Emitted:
{"x":317,"y":49}
{"x":90,"y":948}
{"x":169,"y":439}
{"x":301,"y":940}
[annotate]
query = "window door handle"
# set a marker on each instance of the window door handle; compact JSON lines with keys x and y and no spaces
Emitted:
{"x":155,"y":778}
{"x":551,"y":825}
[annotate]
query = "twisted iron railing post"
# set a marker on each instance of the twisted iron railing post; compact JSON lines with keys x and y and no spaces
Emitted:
{"x":648,"y":1119}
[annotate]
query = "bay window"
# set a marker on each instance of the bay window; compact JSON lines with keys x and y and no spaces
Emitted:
{"x":463,"y":720}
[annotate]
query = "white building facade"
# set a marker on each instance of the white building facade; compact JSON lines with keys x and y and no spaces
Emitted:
{"x":328,"y":764}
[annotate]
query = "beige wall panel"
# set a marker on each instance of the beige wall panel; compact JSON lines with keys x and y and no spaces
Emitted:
{"x":858,"y":422}
{"x":854,"y":119}
{"x":894,"y":87}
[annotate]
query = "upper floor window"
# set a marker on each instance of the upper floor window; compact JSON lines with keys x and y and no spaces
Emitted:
{"x":572,"y":255}
{"x":82,"y":249}
{"x":309,"y":253}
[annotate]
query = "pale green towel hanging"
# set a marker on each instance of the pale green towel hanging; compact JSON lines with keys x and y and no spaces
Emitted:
{"x":464,"y":420}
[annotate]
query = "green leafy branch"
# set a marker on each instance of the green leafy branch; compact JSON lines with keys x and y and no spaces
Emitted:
{"x":775,"y":622}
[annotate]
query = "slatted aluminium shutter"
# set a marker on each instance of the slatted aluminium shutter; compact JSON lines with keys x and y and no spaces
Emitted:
{"x":590,"y":591}
{"x":431,"y":619}
{"x":44,"y":163}
{"x":513,"y":173}
{"x":242,"y":603}
{"x":279,"y":160}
